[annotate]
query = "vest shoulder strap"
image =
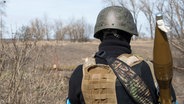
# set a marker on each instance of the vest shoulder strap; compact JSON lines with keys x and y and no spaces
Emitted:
{"x":152,"y":72}
{"x":130,"y":59}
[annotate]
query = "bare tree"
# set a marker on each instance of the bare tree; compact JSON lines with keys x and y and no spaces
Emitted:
{"x":174,"y":14}
{"x":59,"y":31}
{"x":37,"y":29}
{"x":47,"y":27}
{"x":88,"y":31}
{"x":2,"y":14}
{"x":147,"y":8}
{"x":160,"y":5}
{"x":24,"y":33}
{"x":77,"y":30}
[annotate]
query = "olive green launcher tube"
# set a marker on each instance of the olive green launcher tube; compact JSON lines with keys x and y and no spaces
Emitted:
{"x":162,"y":61}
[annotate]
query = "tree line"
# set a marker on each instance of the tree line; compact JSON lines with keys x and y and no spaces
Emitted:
{"x":42,"y":28}
{"x":39,"y":29}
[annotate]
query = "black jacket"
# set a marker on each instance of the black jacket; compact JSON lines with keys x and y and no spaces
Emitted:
{"x":113,"y":48}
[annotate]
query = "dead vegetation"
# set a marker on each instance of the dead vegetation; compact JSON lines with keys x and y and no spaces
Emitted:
{"x":24,"y":81}
{"x":26,"y":76}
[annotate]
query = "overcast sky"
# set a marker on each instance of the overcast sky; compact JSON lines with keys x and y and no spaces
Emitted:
{"x":20,"y":12}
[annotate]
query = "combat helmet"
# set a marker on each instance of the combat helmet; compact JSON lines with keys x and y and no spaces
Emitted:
{"x":115,"y":17}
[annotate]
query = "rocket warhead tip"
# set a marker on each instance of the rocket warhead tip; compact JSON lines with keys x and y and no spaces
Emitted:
{"x":159,"y":16}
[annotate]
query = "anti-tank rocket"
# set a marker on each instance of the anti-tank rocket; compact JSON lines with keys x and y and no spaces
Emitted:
{"x":162,"y":60}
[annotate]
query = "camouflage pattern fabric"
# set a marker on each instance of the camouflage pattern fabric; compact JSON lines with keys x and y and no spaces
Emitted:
{"x":131,"y":81}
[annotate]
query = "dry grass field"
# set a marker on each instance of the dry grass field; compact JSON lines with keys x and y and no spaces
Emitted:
{"x":38,"y":73}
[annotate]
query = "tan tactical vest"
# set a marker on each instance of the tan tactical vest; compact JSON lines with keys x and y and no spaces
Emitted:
{"x":99,"y":81}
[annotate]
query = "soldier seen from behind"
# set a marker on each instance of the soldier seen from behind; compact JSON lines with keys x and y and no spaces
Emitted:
{"x":114,"y":75}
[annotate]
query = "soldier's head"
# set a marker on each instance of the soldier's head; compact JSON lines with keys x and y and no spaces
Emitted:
{"x":115,"y":21}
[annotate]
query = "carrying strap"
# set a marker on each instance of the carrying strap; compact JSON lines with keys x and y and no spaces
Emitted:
{"x":133,"y":84}
{"x":153,"y":73}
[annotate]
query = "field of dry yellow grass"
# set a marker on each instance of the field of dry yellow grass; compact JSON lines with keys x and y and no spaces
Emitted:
{"x":38,"y":73}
